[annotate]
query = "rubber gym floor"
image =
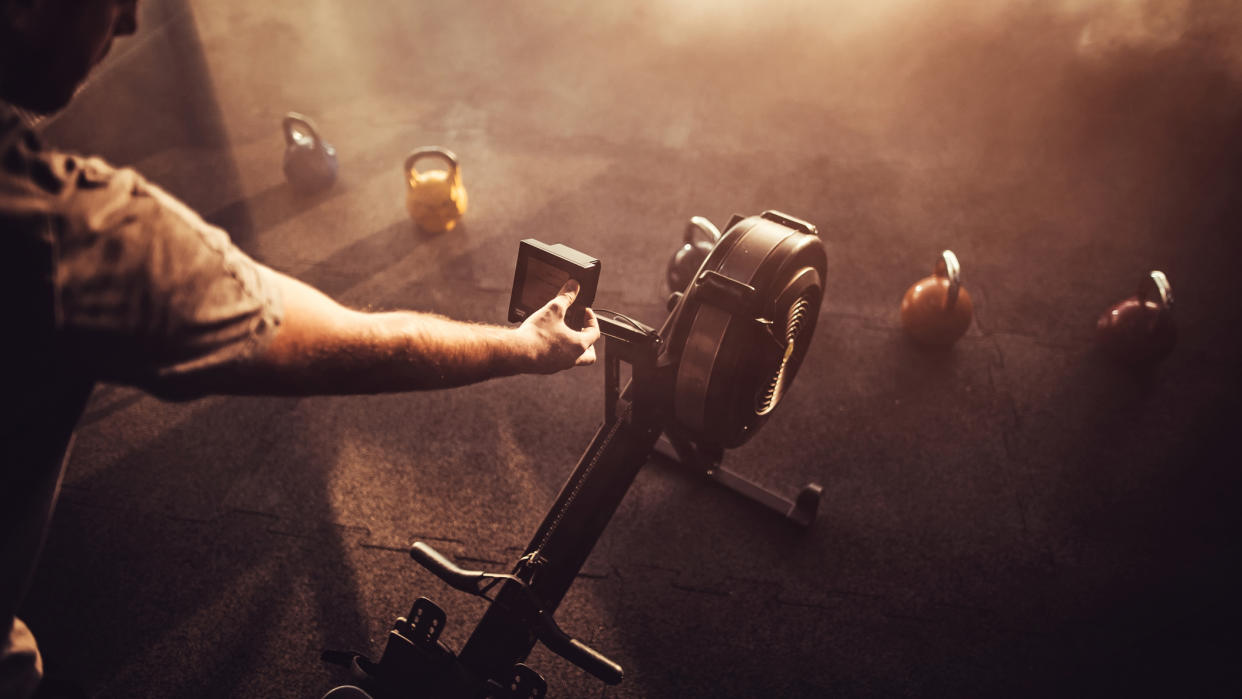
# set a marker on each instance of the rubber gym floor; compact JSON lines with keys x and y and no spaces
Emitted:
{"x":1016,"y":516}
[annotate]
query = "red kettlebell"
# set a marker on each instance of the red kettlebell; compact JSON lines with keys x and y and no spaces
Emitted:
{"x":1140,"y":329}
{"x":699,"y":240}
{"x":936,"y":310}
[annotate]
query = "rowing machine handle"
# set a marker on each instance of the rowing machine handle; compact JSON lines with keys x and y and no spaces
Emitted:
{"x":444,"y":569}
{"x":579,"y":653}
{"x":544,"y":626}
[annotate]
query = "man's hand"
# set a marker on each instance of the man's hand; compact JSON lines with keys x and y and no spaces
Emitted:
{"x":553,"y":344}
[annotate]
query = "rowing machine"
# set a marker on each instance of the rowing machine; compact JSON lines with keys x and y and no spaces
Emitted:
{"x":706,"y":381}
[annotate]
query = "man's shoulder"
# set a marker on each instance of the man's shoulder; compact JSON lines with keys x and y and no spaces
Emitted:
{"x":26,"y":247}
{"x":28,"y":171}
{"x":9,"y":113}
{"x":9,"y":119}
{"x":16,"y":126}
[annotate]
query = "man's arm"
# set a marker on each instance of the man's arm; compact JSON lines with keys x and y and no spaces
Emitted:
{"x":322,"y":347}
{"x":144,"y":292}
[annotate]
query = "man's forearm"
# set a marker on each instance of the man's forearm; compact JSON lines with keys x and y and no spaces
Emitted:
{"x":323,"y":347}
{"x":401,"y":351}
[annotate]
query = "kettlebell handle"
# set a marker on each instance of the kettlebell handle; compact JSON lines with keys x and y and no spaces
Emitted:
{"x":294,"y":122}
{"x":948,"y":266}
{"x":701,"y":226}
{"x":419,"y":153}
{"x":1155,"y":286}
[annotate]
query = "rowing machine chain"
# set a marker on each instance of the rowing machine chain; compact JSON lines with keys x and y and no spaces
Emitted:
{"x":530,"y":562}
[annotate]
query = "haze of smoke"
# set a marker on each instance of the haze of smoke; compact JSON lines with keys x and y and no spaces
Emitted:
{"x":1095,"y":27}
{"x":1112,"y":123}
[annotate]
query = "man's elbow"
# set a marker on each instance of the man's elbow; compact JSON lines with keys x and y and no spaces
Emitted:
{"x":181,"y":389}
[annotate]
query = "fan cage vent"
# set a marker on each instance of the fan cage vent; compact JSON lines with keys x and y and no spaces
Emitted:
{"x":795,"y":321}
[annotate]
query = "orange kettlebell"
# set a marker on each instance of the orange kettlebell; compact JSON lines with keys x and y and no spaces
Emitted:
{"x":936,"y":310}
{"x":1140,"y":329}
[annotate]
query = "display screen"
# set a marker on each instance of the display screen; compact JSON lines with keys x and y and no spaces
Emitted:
{"x":542,"y":282}
{"x":540,"y":273}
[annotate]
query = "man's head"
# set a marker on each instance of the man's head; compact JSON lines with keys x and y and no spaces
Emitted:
{"x":48,"y":47}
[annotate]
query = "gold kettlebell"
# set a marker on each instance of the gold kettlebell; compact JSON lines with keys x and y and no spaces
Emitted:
{"x":936,"y":310}
{"x":436,"y":199}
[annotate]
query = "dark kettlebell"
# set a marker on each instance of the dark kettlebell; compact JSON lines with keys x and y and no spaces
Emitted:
{"x":698,"y":241}
{"x":936,"y":310}
{"x":1140,"y":329}
{"x":310,"y":162}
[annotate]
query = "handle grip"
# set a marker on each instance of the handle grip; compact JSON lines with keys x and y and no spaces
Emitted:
{"x":418,"y":153}
{"x":700,"y":227}
{"x":1156,"y":287}
{"x":948,"y":266}
{"x":579,"y":653}
{"x":293,"y":123}
{"x":444,"y":569}
{"x":542,"y":623}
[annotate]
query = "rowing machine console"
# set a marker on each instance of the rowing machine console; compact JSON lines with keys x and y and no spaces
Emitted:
{"x":706,"y":381}
{"x":540,"y":273}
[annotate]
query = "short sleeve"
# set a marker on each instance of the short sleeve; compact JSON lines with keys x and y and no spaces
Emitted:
{"x":144,"y":291}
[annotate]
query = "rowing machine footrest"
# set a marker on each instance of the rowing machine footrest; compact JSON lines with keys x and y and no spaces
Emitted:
{"x":414,"y":652}
{"x":422,"y":628}
{"x":806,"y":506}
{"x":523,"y":683}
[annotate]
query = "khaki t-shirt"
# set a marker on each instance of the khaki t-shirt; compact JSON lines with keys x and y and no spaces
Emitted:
{"x":103,"y":277}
